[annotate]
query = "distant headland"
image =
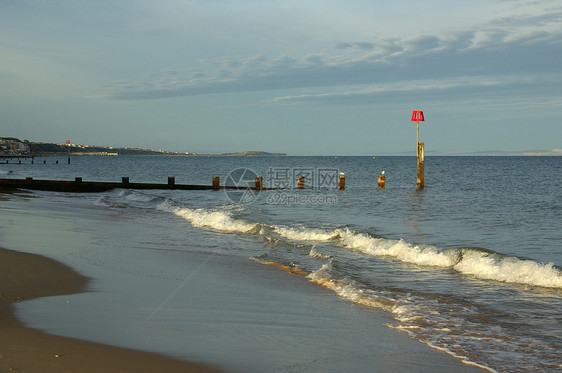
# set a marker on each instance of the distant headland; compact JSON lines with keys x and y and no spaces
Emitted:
{"x":10,"y":146}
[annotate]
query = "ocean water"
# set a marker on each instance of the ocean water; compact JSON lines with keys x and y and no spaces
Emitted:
{"x":468,"y":265}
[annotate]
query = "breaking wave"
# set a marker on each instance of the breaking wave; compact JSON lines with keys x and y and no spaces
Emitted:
{"x":480,"y":263}
{"x":205,"y":218}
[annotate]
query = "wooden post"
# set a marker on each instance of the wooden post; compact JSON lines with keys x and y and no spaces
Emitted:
{"x":216,"y":182}
{"x":171,"y":180}
{"x":259,"y":182}
{"x":300,"y":182}
{"x":78,"y":180}
{"x":125,"y":180}
{"x":417,"y":116}
{"x":382,"y":181}
{"x":420,"y":156}
{"x":418,"y":132}
{"x":341,"y":182}
{"x":421,"y":178}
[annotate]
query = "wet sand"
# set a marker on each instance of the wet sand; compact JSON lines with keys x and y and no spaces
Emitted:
{"x":26,"y":276}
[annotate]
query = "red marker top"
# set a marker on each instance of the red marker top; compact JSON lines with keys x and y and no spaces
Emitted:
{"x":417,"y":116}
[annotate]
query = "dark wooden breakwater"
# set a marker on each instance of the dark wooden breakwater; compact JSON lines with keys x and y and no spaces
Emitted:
{"x":80,"y":186}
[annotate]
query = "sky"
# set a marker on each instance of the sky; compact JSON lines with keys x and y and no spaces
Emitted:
{"x":298,"y":77}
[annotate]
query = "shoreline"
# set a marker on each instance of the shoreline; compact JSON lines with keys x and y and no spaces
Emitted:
{"x":245,"y":316}
{"x":26,"y":276}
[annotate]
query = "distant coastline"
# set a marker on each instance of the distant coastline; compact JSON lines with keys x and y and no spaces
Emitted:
{"x":13,"y":147}
{"x":10,"y":146}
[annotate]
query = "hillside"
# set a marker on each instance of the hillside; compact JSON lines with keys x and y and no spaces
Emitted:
{"x":40,"y":148}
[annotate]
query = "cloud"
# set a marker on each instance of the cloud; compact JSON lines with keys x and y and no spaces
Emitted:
{"x":355,"y":45}
{"x":513,"y":47}
{"x":542,"y":153}
{"x":464,"y":88}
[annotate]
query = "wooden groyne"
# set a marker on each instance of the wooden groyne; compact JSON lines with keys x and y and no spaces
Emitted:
{"x":80,"y":186}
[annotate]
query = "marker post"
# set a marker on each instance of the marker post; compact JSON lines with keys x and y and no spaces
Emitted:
{"x":417,"y":116}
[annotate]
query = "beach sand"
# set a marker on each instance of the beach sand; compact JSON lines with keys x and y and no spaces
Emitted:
{"x":26,"y":276}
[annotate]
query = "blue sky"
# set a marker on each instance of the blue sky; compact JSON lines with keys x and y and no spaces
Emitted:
{"x":300,"y":77}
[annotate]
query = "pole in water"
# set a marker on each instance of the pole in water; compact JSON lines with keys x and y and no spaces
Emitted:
{"x":382,"y":181}
{"x":68,"y":146}
{"x":417,"y":116}
{"x":300,"y":182}
{"x":216,"y":182}
{"x":341,"y":181}
{"x":421,"y":177}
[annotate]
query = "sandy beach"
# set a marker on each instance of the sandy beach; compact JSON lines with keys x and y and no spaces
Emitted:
{"x":26,"y":276}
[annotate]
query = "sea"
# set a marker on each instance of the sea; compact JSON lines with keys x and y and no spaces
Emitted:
{"x":469,"y":265}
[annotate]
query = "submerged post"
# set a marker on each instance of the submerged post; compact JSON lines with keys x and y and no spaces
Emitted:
{"x":382,"y":181}
{"x":417,"y":116}
{"x":421,"y":178}
{"x":68,"y":148}
{"x":341,"y":181}
{"x":259,"y":182}
{"x":171,"y":180}
{"x":216,"y":182}
{"x":300,"y":182}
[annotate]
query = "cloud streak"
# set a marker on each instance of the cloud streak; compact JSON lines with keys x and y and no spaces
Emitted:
{"x":508,"y":46}
{"x":453,"y":57}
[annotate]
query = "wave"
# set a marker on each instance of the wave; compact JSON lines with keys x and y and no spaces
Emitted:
{"x":135,"y":196}
{"x":480,"y":263}
{"x":293,"y":270}
{"x":508,"y":269}
{"x":434,"y":320}
{"x":205,"y":218}
{"x":128,"y":198}
{"x":306,"y":234}
{"x":106,"y":201}
{"x":313,"y":253}
{"x":346,"y":289}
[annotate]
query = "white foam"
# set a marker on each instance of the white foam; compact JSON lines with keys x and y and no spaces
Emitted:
{"x":346,"y":289}
{"x":204,"y":218}
{"x":509,"y":269}
{"x":399,"y":249}
{"x":479,"y":263}
{"x":316,"y":254}
{"x":305,"y":234}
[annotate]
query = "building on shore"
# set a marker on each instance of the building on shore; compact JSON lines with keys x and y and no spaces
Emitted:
{"x":13,"y":146}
